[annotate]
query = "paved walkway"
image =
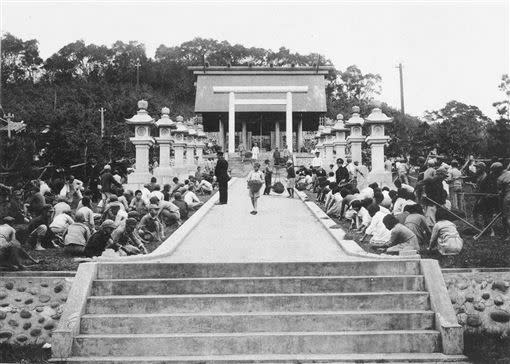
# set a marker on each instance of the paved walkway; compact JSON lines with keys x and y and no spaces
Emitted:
{"x":283,"y":231}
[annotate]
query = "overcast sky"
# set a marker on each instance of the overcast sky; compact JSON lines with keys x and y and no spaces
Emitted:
{"x":450,"y":50}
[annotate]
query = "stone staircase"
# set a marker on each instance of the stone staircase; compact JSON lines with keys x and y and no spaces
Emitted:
{"x":341,"y":312}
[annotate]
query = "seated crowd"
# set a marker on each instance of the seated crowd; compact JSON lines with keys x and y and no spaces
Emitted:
{"x":393,"y":219}
{"x":125,"y":221}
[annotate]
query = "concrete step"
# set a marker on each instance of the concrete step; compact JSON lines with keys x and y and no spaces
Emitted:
{"x":256,"y":285}
{"x":202,"y":270}
{"x":424,"y":341}
{"x":280,"y":359}
{"x":258,"y":302}
{"x":256,"y":322}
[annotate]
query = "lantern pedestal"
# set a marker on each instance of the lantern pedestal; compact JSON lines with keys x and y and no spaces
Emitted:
{"x":164,"y":173}
{"x":141,"y":175}
{"x":355,"y":142}
{"x":378,"y":173}
{"x":340,"y":149}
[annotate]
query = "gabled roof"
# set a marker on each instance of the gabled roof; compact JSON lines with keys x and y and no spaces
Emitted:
{"x":309,"y":78}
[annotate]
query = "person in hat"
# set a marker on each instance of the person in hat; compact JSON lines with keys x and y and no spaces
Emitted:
{"x":222,"y":176}
{"x":182,"y":205}
{"x":76,"y":237}
{"x":93,"y":172}
{"x":455,"y":184}
{"x":435,"y":195}
{"x":100,"y":240}
{"x":108,"y":183}
{"x":291,"y":178}
{"x":115,"y":211}
{"x":39,"y":229}
{"x":126,"y":240}
{"x":150,"y":228}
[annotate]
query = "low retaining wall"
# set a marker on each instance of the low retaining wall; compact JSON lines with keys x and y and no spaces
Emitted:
{"x":481,"y":299}
{"x":31,"y":307}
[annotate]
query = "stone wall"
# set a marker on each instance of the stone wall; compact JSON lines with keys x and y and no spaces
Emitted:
{"x":30,"y":307}
{"x":481,"y":299}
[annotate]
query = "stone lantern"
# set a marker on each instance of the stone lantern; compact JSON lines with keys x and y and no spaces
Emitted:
{"x":340,"y":131}
{"x":329,"y":142}
{"x":142,"y":140}
{"x":320,"y":141}
{"x":180,"y":133}
{"x":165,"y":126}
{"x":355,"y":123}
{"x":377,"y":119}
{"x":191,"y":141}
{"x":201,"y":136}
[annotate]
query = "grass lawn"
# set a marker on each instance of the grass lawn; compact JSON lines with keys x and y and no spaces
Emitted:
{"x":57,"y":260}
{"x":487,"y":252}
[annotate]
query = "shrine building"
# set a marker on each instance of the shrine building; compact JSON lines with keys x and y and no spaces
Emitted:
{"x":267,"y":105}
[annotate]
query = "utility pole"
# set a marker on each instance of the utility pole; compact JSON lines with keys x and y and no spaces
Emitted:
{"x":101,"y":110}
{"x":402,"y":109}
{"x":138,"y":65}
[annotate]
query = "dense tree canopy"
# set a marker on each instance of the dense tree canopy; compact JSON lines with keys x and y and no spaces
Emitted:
{"x":66,"y":91}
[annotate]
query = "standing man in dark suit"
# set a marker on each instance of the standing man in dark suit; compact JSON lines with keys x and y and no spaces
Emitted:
{"x":341,"y":174}
{"x":221,"y":173}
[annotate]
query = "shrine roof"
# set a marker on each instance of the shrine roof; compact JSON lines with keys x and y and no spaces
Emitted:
{"x":309,"y":79}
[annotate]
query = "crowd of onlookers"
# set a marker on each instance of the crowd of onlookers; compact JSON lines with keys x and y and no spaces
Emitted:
{"x":84,"y":218}
{"x":416,"y":211}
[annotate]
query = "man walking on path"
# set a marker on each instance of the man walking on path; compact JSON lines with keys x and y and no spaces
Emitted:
{"x":221,"y":173}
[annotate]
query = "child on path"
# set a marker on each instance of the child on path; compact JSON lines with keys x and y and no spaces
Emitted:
{"x":255,"y":181}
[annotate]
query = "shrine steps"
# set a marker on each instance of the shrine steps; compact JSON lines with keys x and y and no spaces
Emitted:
{"x":334,"y":312}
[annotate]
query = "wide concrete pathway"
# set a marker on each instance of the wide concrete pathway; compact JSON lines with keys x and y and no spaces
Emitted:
{"x":283,"y":231}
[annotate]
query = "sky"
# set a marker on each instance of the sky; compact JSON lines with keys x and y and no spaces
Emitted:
{"x":455,"y":50}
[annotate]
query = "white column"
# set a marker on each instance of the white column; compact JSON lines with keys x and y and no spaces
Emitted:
{"x":288,"y":121}
{"x":300,"y":135}
{"x":221,"y":132}
{"x":164,"y":153}
{"x":377,"y":154}
{"x":277,"y":134}
{"x":200,"y":154}
{"x":356,"y":151}
{"x":179,"y":154}
{"x":231,"y":123}
{"x":142,"y":158}
{"x":244,"y":137}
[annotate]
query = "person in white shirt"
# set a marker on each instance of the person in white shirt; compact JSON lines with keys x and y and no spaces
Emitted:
{"x":191,"y":198}
{"x":317,"y":161}
{"x":380,"y":234}
{"x":157,"y":193}
{"x":255,"y":152}
{"x":146,"y":193}
{"x":72,"y":189}
{"x":61,"y":222}
{"x":205,"y":187}
{"x":44,"y":188}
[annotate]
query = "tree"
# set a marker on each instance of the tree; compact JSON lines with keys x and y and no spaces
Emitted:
{"x":459,"y":129}
{"x":20,"y":59}
{"x":499,"y":131}
{"x":503,"y":107}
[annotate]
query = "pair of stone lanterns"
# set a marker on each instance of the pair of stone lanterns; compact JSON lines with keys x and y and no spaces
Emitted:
{"x":184,"y":140}
{"x":328,"y":135}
